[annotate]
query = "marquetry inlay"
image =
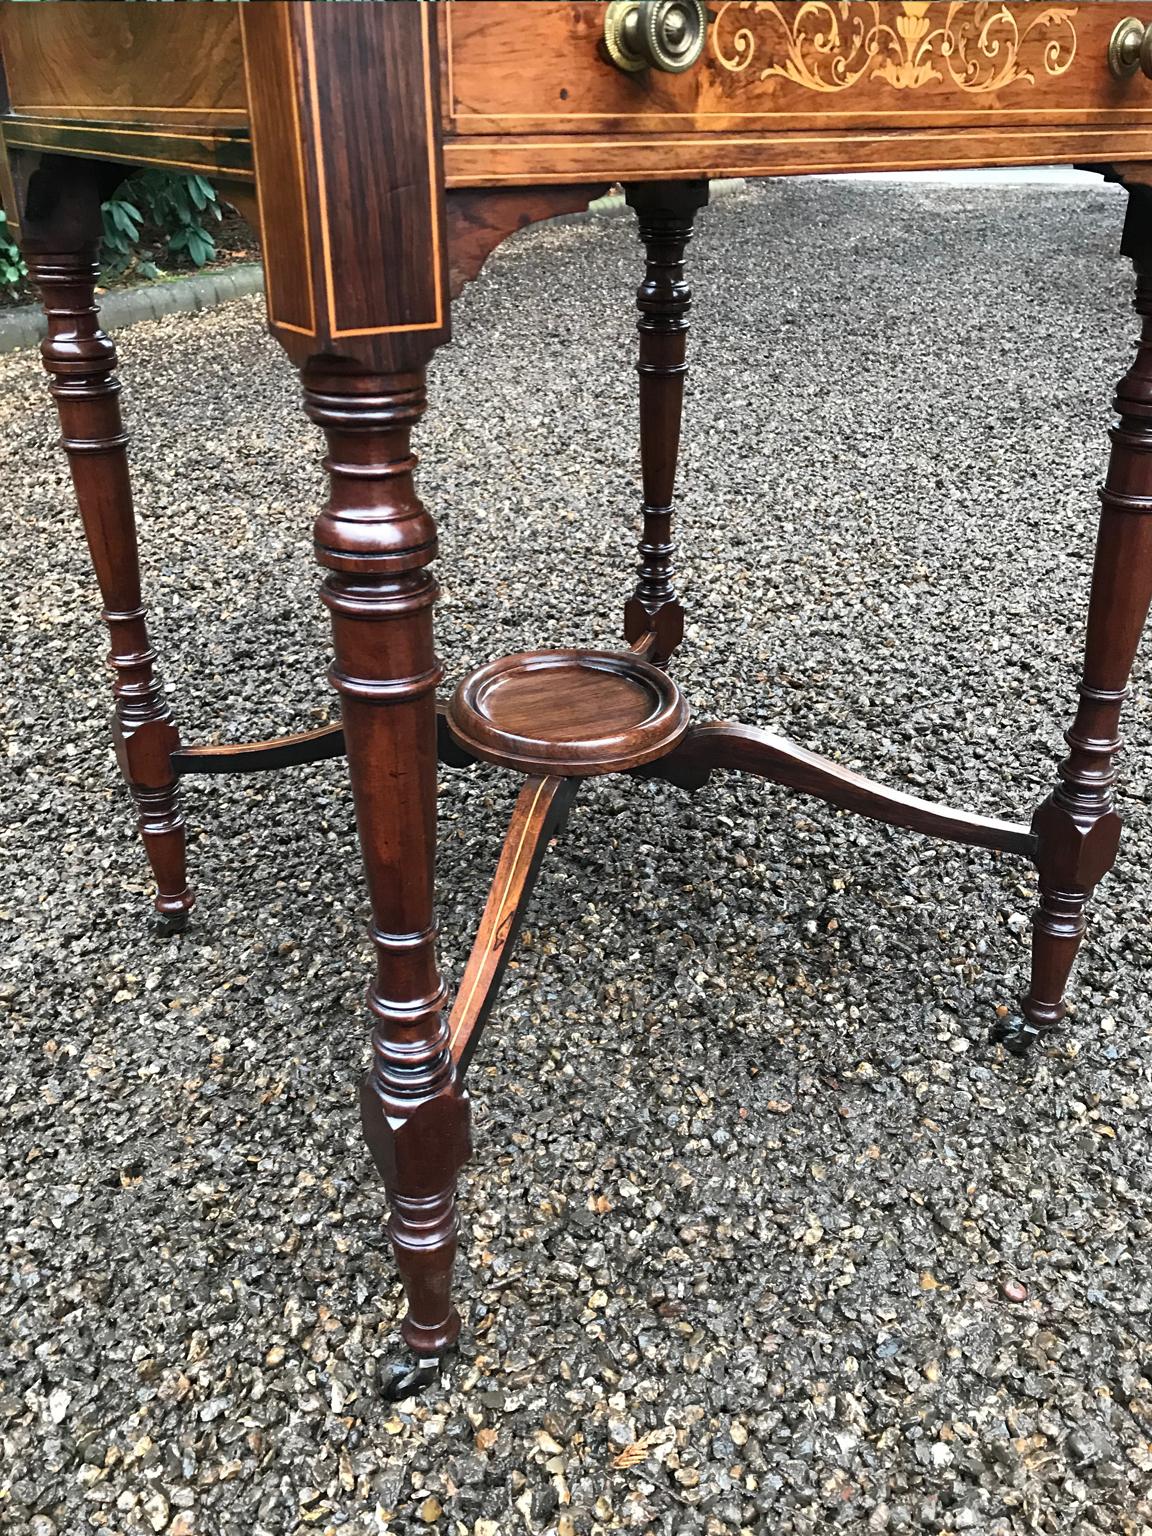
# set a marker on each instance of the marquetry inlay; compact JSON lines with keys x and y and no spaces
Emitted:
{"x":832,"y":45}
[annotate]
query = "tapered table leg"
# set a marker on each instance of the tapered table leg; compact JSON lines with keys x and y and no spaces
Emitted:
{"x":1077,"y":827}
{"x":376,"y":541}
{"x":352,"y":208}
{"x":81,"y":361}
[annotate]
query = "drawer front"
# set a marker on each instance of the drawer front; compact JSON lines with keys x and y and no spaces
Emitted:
{"x":124,"y":63}
{"x":541,"y":68}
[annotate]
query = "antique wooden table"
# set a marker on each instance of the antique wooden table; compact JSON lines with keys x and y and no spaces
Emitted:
{"x":386,"y":149}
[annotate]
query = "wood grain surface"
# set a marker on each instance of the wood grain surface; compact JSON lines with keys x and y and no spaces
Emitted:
{"x":514,"y":69}
{"x":568,"y":712}
{"x":541,"y":810}
{"x":103,"y":59}
{"x":528,"y":96}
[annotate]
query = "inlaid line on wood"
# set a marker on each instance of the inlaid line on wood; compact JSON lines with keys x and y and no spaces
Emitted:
{"x":436,"y":252}
{"x":136,"y":130}
{"x":540,"y":813}
{"x":298,"y":160}
{"x":15,"y":137}
{"x":58,"y":109}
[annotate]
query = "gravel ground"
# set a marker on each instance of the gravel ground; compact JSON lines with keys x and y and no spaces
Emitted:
{"x":750,"y":1187}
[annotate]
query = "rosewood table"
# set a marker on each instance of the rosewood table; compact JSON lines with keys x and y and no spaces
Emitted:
{"x":386,"y":149}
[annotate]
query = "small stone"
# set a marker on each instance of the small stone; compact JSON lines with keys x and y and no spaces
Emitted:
{"x":1081,"y":1447}
{"x":156,"y":1511}
{"x":1014,"y":1290}
{"x":621,"y":1433}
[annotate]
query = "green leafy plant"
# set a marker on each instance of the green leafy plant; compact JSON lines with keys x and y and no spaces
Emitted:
{"x":13,"y":272}
{"x":179,"y":204}
{"x":122,"y":224}
{"x":153,"y":217}
{"x":174,"y":207}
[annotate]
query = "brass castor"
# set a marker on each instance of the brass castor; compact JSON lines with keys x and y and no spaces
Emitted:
{"x":401,"y":1378}
{"x":1016,"y":1034}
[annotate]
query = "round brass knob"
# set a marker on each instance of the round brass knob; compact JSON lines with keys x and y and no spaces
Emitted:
{"x":655,"y":34}
{"x":1127,"y":48}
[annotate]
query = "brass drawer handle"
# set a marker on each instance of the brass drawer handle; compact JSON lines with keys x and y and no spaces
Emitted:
{"x":655,"y":34}
{"x":1130,"y":48}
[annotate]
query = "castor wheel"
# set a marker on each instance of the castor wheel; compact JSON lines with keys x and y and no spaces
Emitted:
{"x":165,"y":924}
{"x":1016,"y":1034}
{"x":401,"y":1378}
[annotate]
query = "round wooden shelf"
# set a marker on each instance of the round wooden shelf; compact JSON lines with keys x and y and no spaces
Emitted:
{"x":573,"y":713}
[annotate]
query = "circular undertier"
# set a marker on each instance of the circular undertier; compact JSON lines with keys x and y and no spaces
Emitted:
{"x":572,"y":713}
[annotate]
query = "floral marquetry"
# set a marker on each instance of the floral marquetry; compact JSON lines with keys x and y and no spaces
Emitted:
{"x":832,"y":45}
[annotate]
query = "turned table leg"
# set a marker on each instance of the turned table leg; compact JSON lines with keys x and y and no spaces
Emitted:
{"x":1078,"y":827}
{"x":665,"y":211}
{"x":80,"y":360}
{"x":356,"y":265}
{"x":376,"y":541}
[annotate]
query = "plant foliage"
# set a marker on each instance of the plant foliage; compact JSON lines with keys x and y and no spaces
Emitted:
{"x":155,"y":217}
{"x":13,"y":272}
{"x":175,"y":206}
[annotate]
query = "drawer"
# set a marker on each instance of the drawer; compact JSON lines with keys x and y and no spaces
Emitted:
{"x":511,"y":68}
{"x":107,"y":60}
